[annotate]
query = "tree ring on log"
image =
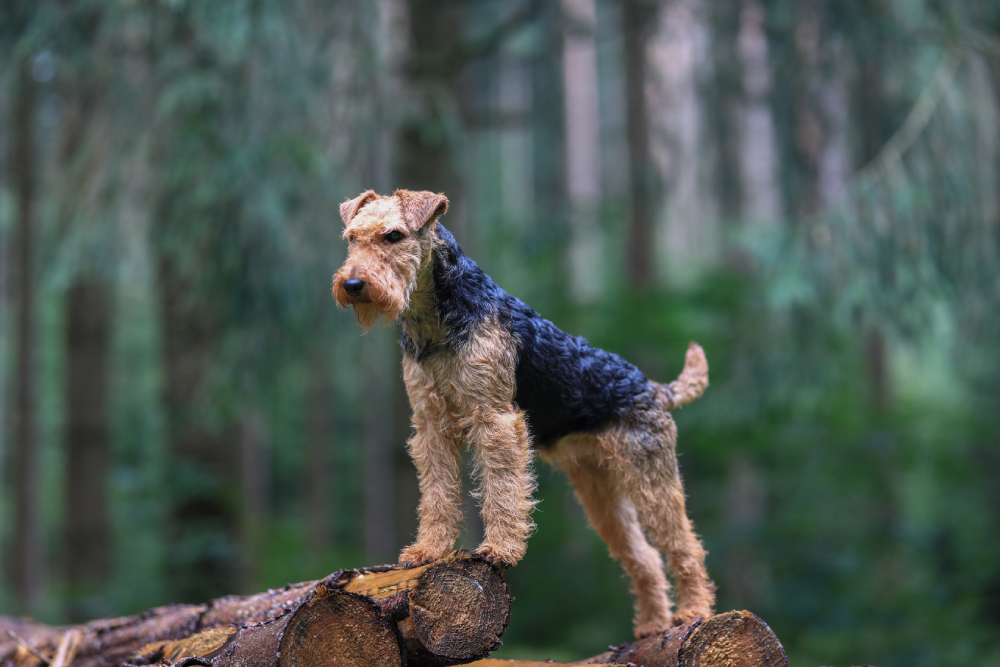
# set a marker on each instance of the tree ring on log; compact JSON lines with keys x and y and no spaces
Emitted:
{"x":341,"y":628}
{"x":453,"y":602}
{"x":735,"y":638}
{"x":336,"y":628}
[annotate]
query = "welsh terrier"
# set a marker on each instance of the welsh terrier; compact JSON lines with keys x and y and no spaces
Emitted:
{"x":485,"y":370}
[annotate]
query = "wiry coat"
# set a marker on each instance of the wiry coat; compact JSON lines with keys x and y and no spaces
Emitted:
{"x":562,"y":383}
{"x":485,"y":370}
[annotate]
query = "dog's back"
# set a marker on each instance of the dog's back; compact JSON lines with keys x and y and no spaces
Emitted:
{"x":564,"y":384}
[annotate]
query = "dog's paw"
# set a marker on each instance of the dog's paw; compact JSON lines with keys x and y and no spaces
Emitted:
{"x":503,"y":559}
{"x":650,"y":628}
{"x":421,"y":554}
{"x":687,"y":615}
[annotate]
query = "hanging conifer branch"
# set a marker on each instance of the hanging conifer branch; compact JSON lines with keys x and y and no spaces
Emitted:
{"x":890,"y":155}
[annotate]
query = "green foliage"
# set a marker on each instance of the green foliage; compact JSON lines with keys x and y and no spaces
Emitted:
{"x":218,"y":140}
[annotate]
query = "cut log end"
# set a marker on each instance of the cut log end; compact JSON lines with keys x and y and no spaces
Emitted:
{"x":460,"y":610}
{"x":451,"y":611}
{"x":334,"y":628}
{"x":340,"y":629}
{"x":733,"y":639}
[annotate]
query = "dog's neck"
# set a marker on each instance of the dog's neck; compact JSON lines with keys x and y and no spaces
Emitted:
{"x":451,"y":298}
{"x":421,"y":320}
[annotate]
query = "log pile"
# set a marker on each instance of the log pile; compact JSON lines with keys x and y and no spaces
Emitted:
{"x":450,"y":612}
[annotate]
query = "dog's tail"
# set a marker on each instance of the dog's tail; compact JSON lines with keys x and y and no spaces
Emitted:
{"x":692,"y":381}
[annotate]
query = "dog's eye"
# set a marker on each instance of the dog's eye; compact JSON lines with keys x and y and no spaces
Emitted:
{"x":393,"y":236}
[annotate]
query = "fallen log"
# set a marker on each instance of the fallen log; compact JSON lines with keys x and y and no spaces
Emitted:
{"x":733,"y":639}
{"x":332,"y":628}
{"x":448,"y":612}
{"x":501,"y":662}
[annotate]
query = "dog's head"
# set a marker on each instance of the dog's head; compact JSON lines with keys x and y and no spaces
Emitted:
{"x":388,"y":241}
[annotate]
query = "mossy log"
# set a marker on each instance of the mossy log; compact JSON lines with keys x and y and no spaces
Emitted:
{"x":448,"y":612}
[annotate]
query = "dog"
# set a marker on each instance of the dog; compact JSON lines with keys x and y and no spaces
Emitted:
{"x":484,"y":370}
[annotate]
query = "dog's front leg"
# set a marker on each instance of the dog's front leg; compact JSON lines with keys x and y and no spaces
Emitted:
{"x":438,"y":464}
{"x":502,"y":450}
{"x":438,"y":460}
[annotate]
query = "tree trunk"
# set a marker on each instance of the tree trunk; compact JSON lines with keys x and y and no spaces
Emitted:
{"x":426,"y":159}
{"x":26,"y":540}
{"x":4,"y":303}
{"x":201,"y":515}
{"x":723,"y":99}
{"x":640,"y":227}
{"x":449,"y":612}
{"x":821,"y":111}
{"x":761,"y":192}
{"x":875,"y":131}
{"x":87,"y":522}
{"x":583,"y":148}
{"x":688,"y":245}
{"x":638,"y":19}
{"x":319,"y":471}
{"x":255,"y":486}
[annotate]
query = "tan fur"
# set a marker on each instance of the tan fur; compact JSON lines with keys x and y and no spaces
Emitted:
{"x":476,"y":389}
{"x":625,"y":475}
{"x":691,"y":383}
{"x":600,"y":486}
{"x":435,"y":449}
{"x":389,"y":270}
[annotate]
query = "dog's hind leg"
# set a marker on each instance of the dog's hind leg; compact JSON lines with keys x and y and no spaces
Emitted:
{"x":611,"y":513}
{"x":653,"y":483}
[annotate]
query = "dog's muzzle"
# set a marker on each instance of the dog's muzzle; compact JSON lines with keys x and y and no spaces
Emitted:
{"x":354,"y":286}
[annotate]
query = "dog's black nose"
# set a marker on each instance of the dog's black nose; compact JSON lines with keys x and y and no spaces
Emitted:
{"x":353,"y":286}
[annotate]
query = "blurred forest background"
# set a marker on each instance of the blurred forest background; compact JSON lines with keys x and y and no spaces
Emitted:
{"x":808,"y":188}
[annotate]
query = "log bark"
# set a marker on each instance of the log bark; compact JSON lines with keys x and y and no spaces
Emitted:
{"x":332,"y":627}
{"x":733,"y":639}
{"x":500,"y":662}
{"x":448,"y":612}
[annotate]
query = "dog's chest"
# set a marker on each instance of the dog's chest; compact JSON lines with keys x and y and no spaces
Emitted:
{"x":445,"y":373}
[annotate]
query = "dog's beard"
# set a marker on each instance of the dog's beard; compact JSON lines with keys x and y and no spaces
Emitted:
{"x":371,"y":314}
{"x":388,"y":296}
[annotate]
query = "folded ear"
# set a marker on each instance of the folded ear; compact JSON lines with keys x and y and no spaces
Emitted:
{"x":421,"y":208}
{"x":349,"y":209}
